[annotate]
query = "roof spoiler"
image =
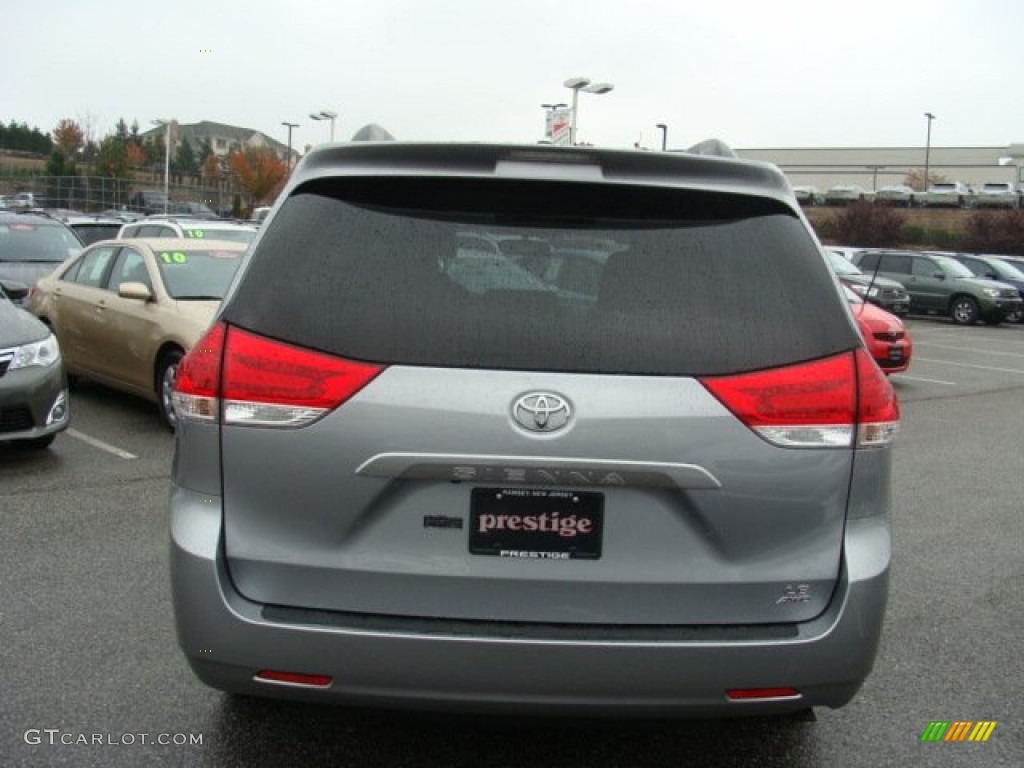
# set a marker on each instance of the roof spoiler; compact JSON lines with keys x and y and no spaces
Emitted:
{"x":372,"y":132}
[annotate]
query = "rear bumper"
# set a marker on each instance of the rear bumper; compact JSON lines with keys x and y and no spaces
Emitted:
{"x":474,"y":667}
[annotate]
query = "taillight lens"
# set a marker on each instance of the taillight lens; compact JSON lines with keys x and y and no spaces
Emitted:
{"x":262,"y":382}
{"x":821,"y":404}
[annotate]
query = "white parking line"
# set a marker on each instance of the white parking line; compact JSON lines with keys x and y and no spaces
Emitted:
{"x":96,"y":443}
{"x":968,"y":365}
{"x":967,"y":349}
{"x":902,"y":376}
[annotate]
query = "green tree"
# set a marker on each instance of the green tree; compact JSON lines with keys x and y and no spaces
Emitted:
{"x":60,"y":164}
{"x":19,"y":136}
{"x":185,"y":158}
{"x":112,"y":158}
{"x":205,"y":150}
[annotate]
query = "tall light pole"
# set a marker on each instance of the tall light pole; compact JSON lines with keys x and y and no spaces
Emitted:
{"x":325,"y":114}
{"x":290,"y":126}
{"x":167,"y":158}
{"x":577,"y":84}
{"x":927,"y":148}
{"x":664,"y":135}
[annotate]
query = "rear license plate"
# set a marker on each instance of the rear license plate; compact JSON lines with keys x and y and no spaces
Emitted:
{"x":533,"y":524}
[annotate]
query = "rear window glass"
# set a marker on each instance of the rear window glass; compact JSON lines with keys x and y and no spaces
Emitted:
{"x":546,"y":276}
{"x":28,"y":241}
{"x":197,"y":274}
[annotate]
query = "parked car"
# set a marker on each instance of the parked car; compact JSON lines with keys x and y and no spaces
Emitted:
{"x":996,"y":268}
{"x":807,"y":195}
{"x":948,"y":194}
{"x":92,"y":229}
{"x":149,"y":201}
{"x":897,"y":195}
{"x":667,"y":493}
{"x":939,"y":284}
{"x":189,"y":227}
{"x":126,"y":311}
{"x":843,"y":194}
{"x":33,"y":387}
{"x":997,"y":194}
{"x":880,"y":291}
{"x":884,"y":334}
{"x":32,"y":246}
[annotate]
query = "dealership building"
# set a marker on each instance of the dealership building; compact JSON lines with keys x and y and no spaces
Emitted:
{"x":873,"y":167}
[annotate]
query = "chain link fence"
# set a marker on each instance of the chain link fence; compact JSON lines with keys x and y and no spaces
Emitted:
{"x":95,"y":194}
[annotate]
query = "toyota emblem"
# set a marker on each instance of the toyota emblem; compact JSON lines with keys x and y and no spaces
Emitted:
{"x":541,"y":411}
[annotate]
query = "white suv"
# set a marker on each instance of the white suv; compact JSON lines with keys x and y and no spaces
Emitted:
{"x":949,"y":194}
{"x":183,"y":226}
{"x":998,"y":194}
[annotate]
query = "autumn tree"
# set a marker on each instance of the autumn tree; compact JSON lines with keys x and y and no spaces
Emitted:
{"x":69,"y":138}
{"x":211,"y":170}
{"x":260,"y":171}
{"x":915,"y":178}
{"x":135,"y":155}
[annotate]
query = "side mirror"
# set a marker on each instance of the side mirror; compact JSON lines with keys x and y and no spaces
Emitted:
{"x":939,"y":275}
{"x":132,"y":290}
{"x":15,"y":291}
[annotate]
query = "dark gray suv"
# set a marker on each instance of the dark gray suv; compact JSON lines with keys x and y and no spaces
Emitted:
{"x":533,"y":429}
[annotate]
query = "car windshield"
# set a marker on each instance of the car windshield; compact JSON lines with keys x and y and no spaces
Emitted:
{"x":1006,"y":271}
{"x":197,"y":274}
{"x":842,"y":266}
{"x":26,"y":241}
{"x":93,"y":232}
{"x":952,"y":266}
{"x":234,"y":235}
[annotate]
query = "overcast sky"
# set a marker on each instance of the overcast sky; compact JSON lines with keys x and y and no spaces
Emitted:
{"x":756,"y":73}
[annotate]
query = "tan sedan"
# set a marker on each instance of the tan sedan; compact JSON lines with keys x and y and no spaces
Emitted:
{"x":126,"y":311}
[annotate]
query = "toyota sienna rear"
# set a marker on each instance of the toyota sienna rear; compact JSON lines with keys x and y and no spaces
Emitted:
{"x":533,"y":429}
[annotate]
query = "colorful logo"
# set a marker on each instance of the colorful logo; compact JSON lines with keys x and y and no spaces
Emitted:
{"x":958,"y":730}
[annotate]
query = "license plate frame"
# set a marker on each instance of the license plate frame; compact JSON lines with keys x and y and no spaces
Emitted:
{"x":536,"y":523}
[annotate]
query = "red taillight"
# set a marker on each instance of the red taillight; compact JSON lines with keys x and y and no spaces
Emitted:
{"x":197,"y":383}
{"x":812,"y":405}
{"x":265,"y":382}
{"x":753,"y":694}
{"x":293,"y":678}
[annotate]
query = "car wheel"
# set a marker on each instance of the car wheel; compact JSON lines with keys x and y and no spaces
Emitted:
{"x":166,"y":373}
{"x":964,"y":310}
{"x":37,"y":443}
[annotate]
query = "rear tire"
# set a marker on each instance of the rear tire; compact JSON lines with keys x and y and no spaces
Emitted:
{"x":166,"y":373}
{"x":964,"y":310}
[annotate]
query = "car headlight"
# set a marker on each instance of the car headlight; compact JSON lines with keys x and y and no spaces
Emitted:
{"x":993,"y":292}
{"x":873,"y":291}
{"x":41,"y":353}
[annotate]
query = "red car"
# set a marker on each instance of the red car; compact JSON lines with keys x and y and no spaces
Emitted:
{"x":884,"y":334}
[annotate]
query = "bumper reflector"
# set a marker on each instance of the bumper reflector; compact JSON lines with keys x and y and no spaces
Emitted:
{"x":762,"y":694}
{"x":293,"y":678}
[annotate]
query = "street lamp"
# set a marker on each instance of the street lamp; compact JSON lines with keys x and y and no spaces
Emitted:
{"x":167,"y":158}
{"x":290,"y":126}
{"x":577,"y":84}
{"x":927,"y":148}
{"x":664,"y":135}
{"x":325,"y":114}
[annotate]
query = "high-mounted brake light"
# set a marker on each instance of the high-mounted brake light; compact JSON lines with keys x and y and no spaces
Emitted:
{"x":821,"y":404}
{"x":259,"y":381}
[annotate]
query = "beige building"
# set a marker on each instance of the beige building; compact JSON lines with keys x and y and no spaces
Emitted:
{"x":873,"y":167}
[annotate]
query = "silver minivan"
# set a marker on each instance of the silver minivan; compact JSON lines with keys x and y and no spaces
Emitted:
{"x":533,"y":429}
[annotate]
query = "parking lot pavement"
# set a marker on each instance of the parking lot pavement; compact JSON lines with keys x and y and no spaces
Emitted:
{"x":951,"y":360}
{"x":89,"y":646}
